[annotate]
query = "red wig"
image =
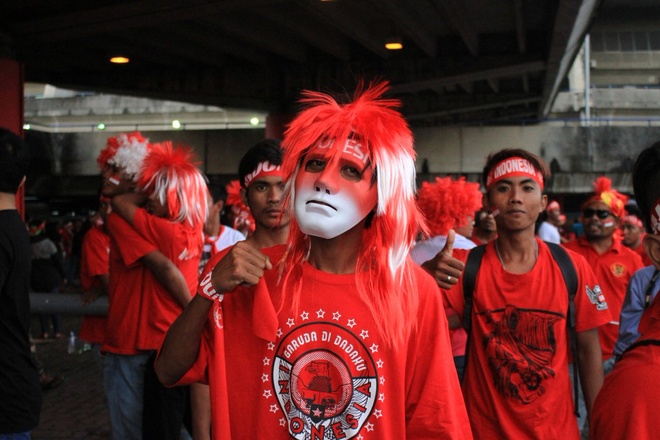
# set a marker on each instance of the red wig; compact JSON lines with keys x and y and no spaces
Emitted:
{"x":383,"y":269}
{"x":172,"y":175}
{"x":447,"y":203}
{"x":611,"y":197}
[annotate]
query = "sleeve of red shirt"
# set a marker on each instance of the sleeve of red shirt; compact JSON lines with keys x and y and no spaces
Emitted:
{"x":198,"y":372}
{"x":590,"y":311}
{"x":95,"y":249}
{"x":132,"y":246}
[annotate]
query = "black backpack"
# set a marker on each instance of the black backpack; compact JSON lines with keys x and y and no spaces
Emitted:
{"x":570,"y":278}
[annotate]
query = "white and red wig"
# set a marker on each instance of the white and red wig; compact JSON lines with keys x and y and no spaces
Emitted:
{"x":172,"y":175}
{"x":383,"y":270}
{"x":126,"y":152}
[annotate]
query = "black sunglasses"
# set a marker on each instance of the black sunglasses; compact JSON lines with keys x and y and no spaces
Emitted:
{"x":600,"y":213}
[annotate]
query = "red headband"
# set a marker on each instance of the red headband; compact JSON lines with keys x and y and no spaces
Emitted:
{"x":655,"y":217}
{"x":263,"y":169}
{"x":513,"y":166}
{"x":633,"y":220}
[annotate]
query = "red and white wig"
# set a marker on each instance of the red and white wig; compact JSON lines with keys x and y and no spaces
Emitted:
{"x":383,"y":269}
{"x":114,"y":143}
{"x":129,"y":152}
{"x":447,"y":203}
{"x":172,"y":175}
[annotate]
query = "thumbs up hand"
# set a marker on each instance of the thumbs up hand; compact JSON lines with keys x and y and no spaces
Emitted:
{"x":443,"y":267}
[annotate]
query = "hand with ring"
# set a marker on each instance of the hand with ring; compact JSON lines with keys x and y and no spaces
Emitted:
{"x":443,"y":267}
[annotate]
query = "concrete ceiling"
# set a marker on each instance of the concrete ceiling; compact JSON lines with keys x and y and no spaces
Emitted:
{"x":463,"y":61}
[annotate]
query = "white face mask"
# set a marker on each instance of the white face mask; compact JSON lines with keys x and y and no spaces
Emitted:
{"x":333,"y":195}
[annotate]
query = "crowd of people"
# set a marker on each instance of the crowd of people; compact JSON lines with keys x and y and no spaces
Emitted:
{"x":341,"y":301}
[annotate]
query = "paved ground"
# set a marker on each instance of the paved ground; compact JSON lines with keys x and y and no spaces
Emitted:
{"x":75,"y":409}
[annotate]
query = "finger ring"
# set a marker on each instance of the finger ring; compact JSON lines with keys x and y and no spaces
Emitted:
{"x":448,"y":277}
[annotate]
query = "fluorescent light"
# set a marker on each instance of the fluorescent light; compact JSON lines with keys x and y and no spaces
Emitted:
{"x":393,"y":43}
{"x":176,"y":124}
{"x":254,"y":121}
{"x":100,"y":126}
{"x":119,"y":60}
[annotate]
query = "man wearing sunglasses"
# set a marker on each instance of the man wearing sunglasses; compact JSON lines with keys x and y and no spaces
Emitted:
{"x":613,"y":263}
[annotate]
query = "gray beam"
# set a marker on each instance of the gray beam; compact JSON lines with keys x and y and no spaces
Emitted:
{"x":66,"y":304}
{"x":571,"y":24}
{"x":482,"y":75}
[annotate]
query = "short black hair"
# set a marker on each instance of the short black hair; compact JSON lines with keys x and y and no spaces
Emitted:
{"x":13,"y":161}
{"x":217,"y":190}
{"x":646,"y":181}
{"x":267,"y":150}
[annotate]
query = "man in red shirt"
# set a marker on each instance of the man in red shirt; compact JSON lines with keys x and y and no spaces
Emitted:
{"x":94,"y":268}
{"x":613,"y":263}
{"x":516,"y":382}
{"x":348,"y":337}
{"x":261,"y":190}
{"x":133,"y":259}
{"x":175,"y":196}
{"x":626,"y":406}
{"x":632,"y":231}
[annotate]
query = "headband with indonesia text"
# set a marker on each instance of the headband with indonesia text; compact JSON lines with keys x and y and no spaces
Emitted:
{"x":263,"y":169}
{"x":513,"y":167}
{"x":655,"y":217}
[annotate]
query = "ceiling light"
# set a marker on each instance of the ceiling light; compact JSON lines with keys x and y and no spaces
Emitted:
{"x":100,"y":126}
{"x":176,"y":124}
{"x":26,"y":126}
{"x":254,"y":121}
{"x":393,"y":43}
{"x":119,"y":60}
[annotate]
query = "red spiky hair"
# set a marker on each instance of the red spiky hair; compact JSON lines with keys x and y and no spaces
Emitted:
{"x":243,"y":217}
{"x":383,"y":267}
{"x":172,"y":174}
{"x":114,"y":143}
{"x":611,"y":197}
{"x":447,"y":203}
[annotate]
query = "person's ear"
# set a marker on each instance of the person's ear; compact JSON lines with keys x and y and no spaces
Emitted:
{"x":544,"y":202}
{"x":652,"y":248}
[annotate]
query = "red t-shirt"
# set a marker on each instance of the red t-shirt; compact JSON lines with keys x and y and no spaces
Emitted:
{"x":516,"y":382}
{"x":613,"y":271}
{"x":125,"y":286}
{"x":94,"y":261}
{"x":626,"y":406}
{"x":329,"y":374}
{"x":183,"y":246}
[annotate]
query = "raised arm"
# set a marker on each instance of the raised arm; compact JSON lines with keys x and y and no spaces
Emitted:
{"x":168,"y":275}
{"x":243,"y":265}
{"x":127,"y":204}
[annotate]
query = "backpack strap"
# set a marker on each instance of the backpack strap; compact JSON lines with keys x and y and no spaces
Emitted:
{"x":570,"y":278}
{"x":469,"y":277}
